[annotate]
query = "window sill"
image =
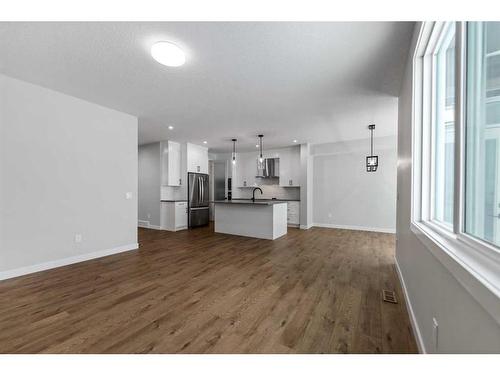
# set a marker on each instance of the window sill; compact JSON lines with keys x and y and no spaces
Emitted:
{"x":477,"y":270}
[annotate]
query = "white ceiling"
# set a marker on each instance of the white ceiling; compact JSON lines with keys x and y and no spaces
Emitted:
{"x":314,"y":82}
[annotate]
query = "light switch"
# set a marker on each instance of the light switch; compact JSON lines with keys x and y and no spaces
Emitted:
{"x":128,"y":195}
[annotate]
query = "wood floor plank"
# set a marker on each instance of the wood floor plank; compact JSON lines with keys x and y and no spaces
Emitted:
{"x":195,"y":291}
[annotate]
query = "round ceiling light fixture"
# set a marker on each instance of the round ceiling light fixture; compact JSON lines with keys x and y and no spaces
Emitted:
{"x":168,"y":54}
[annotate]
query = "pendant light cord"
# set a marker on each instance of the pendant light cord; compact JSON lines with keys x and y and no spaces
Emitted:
{"x":260,"y":143}
{"x":371,"y":149}
{"x":372,"y":128}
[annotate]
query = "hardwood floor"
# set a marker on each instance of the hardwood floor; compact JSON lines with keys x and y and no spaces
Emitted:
{"x":314,"y":291}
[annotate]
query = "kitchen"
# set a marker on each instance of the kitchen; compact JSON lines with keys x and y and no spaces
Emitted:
{"x":253,"y":193}
{"x":293,"y":193}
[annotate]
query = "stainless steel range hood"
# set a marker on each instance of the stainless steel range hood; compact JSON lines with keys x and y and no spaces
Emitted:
{"x":270,"y":168}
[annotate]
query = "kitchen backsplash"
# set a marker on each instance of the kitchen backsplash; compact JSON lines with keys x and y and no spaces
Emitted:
{"x":270,"y":190}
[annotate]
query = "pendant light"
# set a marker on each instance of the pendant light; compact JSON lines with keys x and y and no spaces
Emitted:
{"x":261,"y":158}
{"x":234,"y":150}
{"x":372,"y":160}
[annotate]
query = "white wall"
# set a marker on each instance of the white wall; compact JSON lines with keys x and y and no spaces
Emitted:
{"x":65,"y":167}
{"x":149,"y":183}
{"x":345,"y":195}
{"x":464,"y":326}
{"x":306,"y":186}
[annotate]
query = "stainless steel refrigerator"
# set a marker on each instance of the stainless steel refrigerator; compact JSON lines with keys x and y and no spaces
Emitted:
{"x":197,"y":199}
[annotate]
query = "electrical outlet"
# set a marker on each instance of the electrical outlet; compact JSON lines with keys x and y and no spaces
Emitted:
{"x":435,"y":334}
{"x":78,"y":238}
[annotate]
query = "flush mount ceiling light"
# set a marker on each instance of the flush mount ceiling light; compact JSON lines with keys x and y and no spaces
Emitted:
{"x":168,"y":54}
{"x":170,"y":127}
{"x":205,"y":142}
{"x":294,"y":141}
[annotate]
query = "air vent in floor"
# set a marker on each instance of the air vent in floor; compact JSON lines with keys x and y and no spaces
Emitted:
{"x":389,"y":296}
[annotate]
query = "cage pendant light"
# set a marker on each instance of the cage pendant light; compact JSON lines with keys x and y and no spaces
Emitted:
{"x":260,"y":164}
{"x":372,"y":160}
{"x":233,"y":155}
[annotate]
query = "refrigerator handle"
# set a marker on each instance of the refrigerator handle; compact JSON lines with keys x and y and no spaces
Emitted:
{"x":200,"y":190}
{"x":203,"y":190}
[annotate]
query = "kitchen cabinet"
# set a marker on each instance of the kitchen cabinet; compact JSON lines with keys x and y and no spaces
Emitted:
{"x":171,"y":164}
{"x":293,"y":213}
{"x":174,"y":215}
{"x":245,"y":170}
{"x":197,"y":158}
{"x":174,"y":164}
{"x":289,"y":169}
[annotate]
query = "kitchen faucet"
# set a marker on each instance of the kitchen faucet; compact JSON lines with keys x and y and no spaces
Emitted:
{"x":253,"y":193}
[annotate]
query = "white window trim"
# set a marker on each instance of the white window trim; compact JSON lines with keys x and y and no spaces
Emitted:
{"x":474,"y":263}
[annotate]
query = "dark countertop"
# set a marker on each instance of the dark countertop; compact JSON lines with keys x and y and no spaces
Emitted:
{"x":267,"y":199}
{"x":238,"y":199}
{"x":249,"y":201}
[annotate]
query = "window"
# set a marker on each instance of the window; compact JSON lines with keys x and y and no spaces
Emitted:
{"x":437,"y":67}
{"x":443,"y":126}
{"x":456,"y":148}
{"x":482,"y":146}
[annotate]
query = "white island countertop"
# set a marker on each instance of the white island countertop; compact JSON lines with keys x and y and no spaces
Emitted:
{"x":258,"y":219}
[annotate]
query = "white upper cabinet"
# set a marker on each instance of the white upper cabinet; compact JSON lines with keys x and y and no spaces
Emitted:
{"x":289,"y":167}
{"x":245,"y":170}
{"x":170,"y":163}
{"x":197,"y":158}
{"x":174,"y":164}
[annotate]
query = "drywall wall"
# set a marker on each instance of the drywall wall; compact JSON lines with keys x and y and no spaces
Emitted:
{"x":66,"y":166}
{"x":345,"y":195}
{"x":149,"y":184}
{"x":433,"y":292}
{"x":306,"y":186}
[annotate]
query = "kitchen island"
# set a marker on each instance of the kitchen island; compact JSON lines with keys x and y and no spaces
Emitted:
{"x":259,"y":219}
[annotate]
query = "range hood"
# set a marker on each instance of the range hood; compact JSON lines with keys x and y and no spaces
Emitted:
{"x":270,"y":168}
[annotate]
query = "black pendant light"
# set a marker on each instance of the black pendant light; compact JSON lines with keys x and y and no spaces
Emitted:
{"x":372,"y":160}
{"x":234,"y":150}
{"x":261,"y":158}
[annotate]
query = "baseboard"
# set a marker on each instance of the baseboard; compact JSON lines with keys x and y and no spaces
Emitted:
{"x":306,"y":226}
{"x":413,"y":320}
{"x":354,"y":227}
{"x":147,"y":225}
{"x":4,"y":275}
{"x":173,"y":230}
{"x":143,"y":224}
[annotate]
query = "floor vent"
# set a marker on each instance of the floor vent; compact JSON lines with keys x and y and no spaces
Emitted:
{"x":389,"y":296}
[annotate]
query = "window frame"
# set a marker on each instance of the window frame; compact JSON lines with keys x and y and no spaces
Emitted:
{"x":472,"y":261}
